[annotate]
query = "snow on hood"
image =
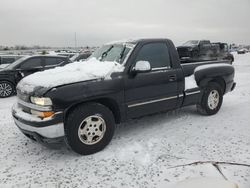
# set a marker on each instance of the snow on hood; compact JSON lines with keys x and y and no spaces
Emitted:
{"x":71,"y":73}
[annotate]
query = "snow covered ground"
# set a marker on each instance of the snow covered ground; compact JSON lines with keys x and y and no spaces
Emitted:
{"x":154,"y":151}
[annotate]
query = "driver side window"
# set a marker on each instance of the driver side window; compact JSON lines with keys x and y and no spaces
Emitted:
{"x":32,"y":63}
{"x":156,"y":54}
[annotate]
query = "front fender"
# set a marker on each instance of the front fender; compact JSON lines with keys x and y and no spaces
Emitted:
{"x":65,"y":96}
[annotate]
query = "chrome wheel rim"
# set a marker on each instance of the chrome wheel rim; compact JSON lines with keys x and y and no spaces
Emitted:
{"x":92,"y":130}
{"x":5,"y":89}
{"x":213,"y":99}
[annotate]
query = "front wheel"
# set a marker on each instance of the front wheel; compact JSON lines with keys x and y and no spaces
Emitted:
{"x":6,"y":89}
{"x":211,"y":100}
{"x":89,"y":128}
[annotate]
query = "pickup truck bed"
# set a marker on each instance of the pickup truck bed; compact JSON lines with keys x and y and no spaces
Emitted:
{"x":188,"y":68}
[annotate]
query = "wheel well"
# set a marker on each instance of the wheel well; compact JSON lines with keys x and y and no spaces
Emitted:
{"x":221,"y":82}
{"x":109,"y":103}
{"x":8,"y":81}
{"x":113,"y":106}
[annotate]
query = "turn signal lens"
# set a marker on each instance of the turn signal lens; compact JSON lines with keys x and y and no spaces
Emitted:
{"x":47,"y":114}
{"x":42,"y":114}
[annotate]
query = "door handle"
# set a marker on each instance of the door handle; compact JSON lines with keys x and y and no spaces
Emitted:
{"x":172,"y":78}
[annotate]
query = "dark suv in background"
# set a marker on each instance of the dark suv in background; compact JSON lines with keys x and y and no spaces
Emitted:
{"x":80,"y":56}
{"x":12,"y":74}
{"x":204,"y":50}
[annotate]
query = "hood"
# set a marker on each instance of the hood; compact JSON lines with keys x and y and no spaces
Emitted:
{"x":72,"y":73}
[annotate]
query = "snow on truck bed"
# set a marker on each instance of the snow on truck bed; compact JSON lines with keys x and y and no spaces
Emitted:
{"x":73,"y":72}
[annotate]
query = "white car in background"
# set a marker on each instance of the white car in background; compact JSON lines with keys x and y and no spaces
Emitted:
{"x":243,"y":51}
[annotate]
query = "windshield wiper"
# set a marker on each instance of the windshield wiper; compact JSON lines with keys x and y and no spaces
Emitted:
{"x":104,"y":54}
{"x":122,"y":53}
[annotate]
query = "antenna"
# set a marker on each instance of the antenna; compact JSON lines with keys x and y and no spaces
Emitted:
{"x":75,"y":41}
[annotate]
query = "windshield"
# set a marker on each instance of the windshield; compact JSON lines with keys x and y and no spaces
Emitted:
{"x":17,"y":62}
{"x":112,"y":52}
{"x":191,"y":43}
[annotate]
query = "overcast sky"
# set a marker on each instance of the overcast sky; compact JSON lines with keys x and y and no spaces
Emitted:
{"x":54,"y":22}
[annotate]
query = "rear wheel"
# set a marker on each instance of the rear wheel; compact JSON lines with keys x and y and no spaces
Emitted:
{"x":6,"y":89}
{"x":211,"y":100}
{"x":89,"y":128}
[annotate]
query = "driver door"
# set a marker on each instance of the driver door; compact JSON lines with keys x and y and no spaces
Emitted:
{"x":155,"y":90}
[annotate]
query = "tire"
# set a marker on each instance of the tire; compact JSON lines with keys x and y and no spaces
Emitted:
{"x":89,"y":120}
{"x":210,"y":104}
{"x":7,"y":89}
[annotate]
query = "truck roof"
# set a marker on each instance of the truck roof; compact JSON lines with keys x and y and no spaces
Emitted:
{"x":135,"y":41}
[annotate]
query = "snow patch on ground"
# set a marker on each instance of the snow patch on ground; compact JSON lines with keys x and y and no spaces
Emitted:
{"x":73,"y":72}
{"x":206,"y":183}
{"x":150,"y":152}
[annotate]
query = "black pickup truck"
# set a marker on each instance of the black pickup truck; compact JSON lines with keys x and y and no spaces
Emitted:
{"x":84,"y":110}
{"x":203,"y":50}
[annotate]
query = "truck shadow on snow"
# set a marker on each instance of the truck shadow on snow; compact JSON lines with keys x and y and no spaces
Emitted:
{"x":162,"y":120}
{"x":166,"y":119}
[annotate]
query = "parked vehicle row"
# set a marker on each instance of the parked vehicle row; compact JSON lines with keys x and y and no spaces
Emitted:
{"x":141,"y":77}
{"x":242,"y":51}
{"x":204,"y":50}
{"x":12,"y":74}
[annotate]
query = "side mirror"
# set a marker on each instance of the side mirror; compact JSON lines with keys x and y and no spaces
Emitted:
{"x":141,"y":66}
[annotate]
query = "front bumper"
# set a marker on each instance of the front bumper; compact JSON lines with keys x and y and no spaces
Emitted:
{"x":47,"y":128}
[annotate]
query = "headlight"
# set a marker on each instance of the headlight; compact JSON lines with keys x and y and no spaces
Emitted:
{"x":41,"y":101}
